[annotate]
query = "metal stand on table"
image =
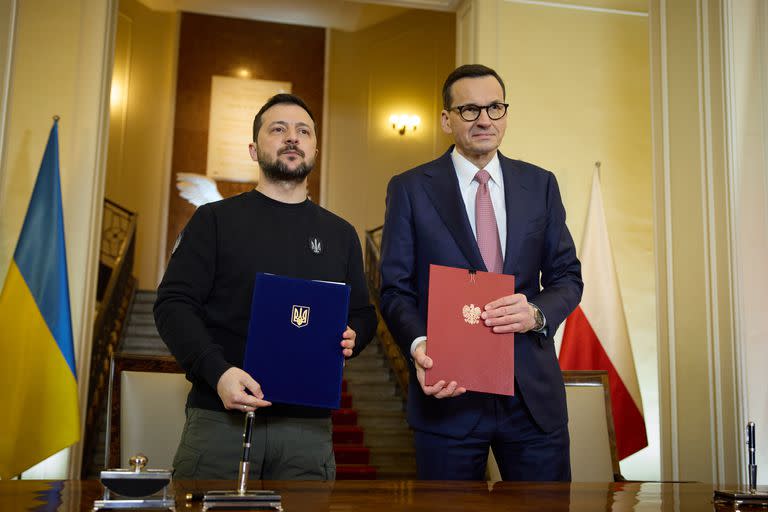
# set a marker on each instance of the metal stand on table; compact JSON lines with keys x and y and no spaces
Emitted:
{"x":751,"y":496}
{"x":242,"y":498}
{"x":136,"y":488}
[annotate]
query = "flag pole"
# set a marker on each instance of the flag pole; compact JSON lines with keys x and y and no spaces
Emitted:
{"x":597,"y":166}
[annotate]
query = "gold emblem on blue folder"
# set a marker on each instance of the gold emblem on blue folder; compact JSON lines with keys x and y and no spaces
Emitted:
{"x":300,"y":316}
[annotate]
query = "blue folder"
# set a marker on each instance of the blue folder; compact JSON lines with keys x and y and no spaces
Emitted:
{"x":293,"y":348}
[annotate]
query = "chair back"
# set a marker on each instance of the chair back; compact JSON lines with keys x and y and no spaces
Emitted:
{"x":146,"y":406}
{"x":590,"y":425}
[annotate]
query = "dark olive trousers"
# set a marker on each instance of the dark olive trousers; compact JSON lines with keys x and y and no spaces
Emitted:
{"x":281,"y":448}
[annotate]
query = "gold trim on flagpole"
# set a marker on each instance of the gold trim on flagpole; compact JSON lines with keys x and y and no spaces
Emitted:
{"x":597,"y":165}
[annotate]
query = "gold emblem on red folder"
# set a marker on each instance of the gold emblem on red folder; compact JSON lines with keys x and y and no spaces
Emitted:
{"x":471,"y":314}
{"x":300,"y":316}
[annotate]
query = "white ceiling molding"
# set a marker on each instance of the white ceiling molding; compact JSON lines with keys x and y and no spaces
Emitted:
{"x":429,"y":5}
{"x":601,"y":6}
{"x":347,"y":15}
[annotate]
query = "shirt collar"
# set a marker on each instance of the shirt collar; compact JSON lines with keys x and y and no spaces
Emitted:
{"x":466,"y":170}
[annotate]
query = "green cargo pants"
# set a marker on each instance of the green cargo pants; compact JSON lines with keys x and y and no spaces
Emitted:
{"x":281,"y":448}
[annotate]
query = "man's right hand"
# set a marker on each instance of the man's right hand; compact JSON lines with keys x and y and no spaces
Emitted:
{"x":439,"y":389}
{"x":231,"y":389}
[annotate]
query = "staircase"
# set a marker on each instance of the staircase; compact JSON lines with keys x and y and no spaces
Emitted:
{"x":370,"y":436}
{"x":380,"y":413}
{"x":141,"y":335}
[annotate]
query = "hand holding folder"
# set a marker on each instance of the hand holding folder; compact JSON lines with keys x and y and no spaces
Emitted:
{"x":293,"y":348}
{"x":462,"y":347}
{"x":348,"y":342}
{"x":441,"y":388}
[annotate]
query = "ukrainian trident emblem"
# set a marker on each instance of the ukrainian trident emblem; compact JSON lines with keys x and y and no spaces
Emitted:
{"x":316,"y":245}
{"x":300,"y":316}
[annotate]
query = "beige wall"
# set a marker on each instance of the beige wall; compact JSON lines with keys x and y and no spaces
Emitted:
{"x":397,"y":66}
{"x":710,"y":105}
{"x":61,"y":57}
{"x":578,"y":88}
{"x":140,"y":132}
{"x":7,"y":26}
{"x":684,"y":241}
{"x":746,"y":36}
{"x":691,"y":239}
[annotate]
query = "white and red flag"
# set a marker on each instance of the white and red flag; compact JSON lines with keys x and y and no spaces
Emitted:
{"x":596,"y":335}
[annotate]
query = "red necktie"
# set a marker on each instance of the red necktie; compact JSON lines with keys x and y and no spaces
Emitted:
{"x":485,"y":224}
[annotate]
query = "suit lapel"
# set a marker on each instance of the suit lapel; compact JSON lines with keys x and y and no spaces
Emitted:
{"x":442,"y":187}
{"x":516,"y":200}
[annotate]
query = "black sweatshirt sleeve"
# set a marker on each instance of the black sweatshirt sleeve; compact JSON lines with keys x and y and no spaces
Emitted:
{"x":362,"y":315}
{"x":181,"y":296}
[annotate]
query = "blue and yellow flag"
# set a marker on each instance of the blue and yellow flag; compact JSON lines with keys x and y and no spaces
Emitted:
{"x":38,"y":382}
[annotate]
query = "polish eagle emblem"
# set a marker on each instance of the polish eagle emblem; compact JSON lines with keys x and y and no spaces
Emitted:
{"x":471,"y":314}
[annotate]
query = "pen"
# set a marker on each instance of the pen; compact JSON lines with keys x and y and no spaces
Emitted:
{"x":751,"y":457}
{"x":242,"y":476}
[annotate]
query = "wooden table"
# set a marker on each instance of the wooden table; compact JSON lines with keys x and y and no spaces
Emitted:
{"x":347,"y":496}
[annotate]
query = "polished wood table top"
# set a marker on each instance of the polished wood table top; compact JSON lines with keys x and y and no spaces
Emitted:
{"x":347,"y":496}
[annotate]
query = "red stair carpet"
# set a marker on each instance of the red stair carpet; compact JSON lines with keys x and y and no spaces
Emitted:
{"x":352,"y":456}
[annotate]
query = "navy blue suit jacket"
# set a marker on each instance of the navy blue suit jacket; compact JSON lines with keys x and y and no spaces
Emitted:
{"x":426,"y":222}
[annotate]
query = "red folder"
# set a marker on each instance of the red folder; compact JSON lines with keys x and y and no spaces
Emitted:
{"x":461,"y":346}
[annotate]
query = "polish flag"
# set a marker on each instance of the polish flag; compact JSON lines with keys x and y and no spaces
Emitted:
{"x":596,"y":335}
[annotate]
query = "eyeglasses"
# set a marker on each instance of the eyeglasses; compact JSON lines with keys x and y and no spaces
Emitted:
{"x":495,"y":111}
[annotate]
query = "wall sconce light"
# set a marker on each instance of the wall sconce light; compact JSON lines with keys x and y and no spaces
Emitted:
{"x":403,"y":122}
{"x":116,"y":94}
{"x":243,"y":72}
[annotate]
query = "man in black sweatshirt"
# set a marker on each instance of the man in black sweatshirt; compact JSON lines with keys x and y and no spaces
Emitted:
{"x":203,"y":306}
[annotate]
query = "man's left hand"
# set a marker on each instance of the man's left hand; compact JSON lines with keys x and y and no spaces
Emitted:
{"x":511,"y":313}
{"x":348,"y":342}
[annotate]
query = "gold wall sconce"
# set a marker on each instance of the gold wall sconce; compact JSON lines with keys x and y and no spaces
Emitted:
{"x":402,"y":123}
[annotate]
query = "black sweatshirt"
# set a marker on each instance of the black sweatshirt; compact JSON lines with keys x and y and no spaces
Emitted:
{"x":203,"y":302}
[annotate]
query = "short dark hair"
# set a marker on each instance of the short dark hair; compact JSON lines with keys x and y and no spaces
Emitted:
{"x":468,"y":71}
{"x":278,"y":99}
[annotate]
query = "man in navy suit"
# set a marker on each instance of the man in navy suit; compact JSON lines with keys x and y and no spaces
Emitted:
{"x":474,"y":208}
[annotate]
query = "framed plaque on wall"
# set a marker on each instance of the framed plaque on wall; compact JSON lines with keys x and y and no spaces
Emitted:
{"x":234,"y":103}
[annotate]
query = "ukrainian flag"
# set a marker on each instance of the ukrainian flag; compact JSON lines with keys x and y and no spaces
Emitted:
{"x":38,"y":382}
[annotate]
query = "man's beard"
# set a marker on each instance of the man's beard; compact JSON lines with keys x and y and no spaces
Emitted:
{"x":276,"y":170}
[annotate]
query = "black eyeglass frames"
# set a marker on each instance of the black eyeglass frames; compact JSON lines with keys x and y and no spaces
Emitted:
{"x":495,"y":111}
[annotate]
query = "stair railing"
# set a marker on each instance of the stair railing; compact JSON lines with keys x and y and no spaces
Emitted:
{"x":115,"y":290}
{"x":392,"y":352}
